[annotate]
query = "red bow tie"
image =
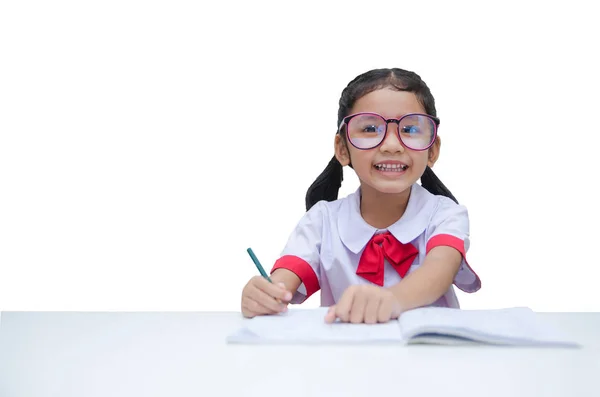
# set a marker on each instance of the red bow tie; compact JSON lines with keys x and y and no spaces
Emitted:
{"x":399,"y":255}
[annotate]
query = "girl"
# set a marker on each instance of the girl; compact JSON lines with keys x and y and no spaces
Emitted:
{"x":392,"y":245}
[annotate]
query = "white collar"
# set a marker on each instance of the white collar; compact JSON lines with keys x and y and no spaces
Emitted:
{"x":356,"y":233}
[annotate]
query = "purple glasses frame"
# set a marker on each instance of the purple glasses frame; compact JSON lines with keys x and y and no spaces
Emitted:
{"x":436,"y":123}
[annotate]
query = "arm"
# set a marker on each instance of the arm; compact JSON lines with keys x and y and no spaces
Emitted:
{"x":430,"y":281}
{"x":289,"y":279}
{"x":298,"y":267}
{"x":294,"y":276}
{"x":445,"y":262}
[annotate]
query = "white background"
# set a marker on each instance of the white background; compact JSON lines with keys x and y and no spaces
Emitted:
{"x":145,"y":145}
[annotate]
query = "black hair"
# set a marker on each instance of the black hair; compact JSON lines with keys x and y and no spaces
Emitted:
{"x":327,"y":185}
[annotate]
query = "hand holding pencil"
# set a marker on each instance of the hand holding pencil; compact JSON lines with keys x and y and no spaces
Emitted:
{"x":260,"y":296}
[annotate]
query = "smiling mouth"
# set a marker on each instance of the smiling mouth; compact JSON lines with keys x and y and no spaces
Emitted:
{"x":391,"y":167}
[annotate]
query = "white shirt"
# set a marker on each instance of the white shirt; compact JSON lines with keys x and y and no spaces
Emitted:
{"x":326,"y":246}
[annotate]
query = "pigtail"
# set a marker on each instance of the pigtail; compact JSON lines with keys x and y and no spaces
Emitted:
{"x":327,"y":185}
{"x":433,"y":185}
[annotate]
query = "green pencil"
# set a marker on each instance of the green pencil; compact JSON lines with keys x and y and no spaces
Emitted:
{"x":258,"y":265}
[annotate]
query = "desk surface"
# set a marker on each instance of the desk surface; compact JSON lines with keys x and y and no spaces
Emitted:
{"x":184,"y":354}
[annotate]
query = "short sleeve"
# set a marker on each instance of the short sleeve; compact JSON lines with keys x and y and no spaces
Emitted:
{"x":301,"y":254}
{"x":449,"y":226}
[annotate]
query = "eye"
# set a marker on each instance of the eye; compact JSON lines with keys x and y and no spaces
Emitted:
{"x":411,"y":129}
{"x":370,"y":128}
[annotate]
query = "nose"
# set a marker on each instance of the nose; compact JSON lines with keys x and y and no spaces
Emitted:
{"x":391,"y":142}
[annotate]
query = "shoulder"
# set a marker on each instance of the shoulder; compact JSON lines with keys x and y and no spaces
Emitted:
{"x":446,"y":207}
{"x":439,"y":208}
{"x":316,"y":219}
{"x":445,"y":216}
{"x":332,"y":220}
{"x":332,"y":209}
{"x":316,"y":225}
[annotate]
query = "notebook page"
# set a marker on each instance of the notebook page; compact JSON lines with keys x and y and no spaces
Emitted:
{"x":510,"y":325}
{"x":308,"y":326}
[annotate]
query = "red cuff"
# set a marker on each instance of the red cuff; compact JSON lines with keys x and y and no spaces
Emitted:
{"x":449,"y":241}
{"x":302,"y":269}
{"x":459,"y":245}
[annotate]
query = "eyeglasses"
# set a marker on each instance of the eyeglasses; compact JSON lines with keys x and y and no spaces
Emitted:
{"x":368,"y":130}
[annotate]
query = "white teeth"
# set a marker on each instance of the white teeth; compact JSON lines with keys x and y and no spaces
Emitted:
{"x":391,"y":167}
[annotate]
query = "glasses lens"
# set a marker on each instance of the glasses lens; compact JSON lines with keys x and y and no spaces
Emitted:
{"x":366,"y":130}
{"x":417,"y":132}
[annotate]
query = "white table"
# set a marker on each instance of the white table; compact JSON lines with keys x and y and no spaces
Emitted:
{"x":184,"y":354}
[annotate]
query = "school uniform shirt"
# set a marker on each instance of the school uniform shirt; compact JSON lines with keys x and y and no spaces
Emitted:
{"x":332,"y":247}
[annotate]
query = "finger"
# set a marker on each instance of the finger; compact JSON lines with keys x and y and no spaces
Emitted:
{"x":287,"y":296}
{"x":330,"y":316}
{"x":266,"y":287}
{"x":396,"y":309}
{"x":357,"y":311}
{"x":246,"y":312}
{"x":265,"y":299}
{"x":372,"y":311}
{"x":252,"y":308}
{"x":342,"y":308}
{"x":274,"y":290}
{"x":384,"y":312}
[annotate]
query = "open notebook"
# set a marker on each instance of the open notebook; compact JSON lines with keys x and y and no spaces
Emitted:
{"x":430,"y":325}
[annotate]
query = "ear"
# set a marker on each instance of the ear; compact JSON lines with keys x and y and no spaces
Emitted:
{"x":434,"y":152}
{"x":341,"y":150}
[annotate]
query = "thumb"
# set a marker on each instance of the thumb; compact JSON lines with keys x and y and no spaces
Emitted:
{"x":330,"y":316}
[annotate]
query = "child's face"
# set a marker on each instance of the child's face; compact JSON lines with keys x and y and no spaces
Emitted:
{"x":389,"y":104}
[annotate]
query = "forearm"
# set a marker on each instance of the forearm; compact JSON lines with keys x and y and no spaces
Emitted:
{"x":430,"y":281}
{"x":288,"y":278}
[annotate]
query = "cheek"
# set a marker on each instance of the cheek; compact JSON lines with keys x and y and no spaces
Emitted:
{"x":420,"y":158}
{"x":361,"y":160}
